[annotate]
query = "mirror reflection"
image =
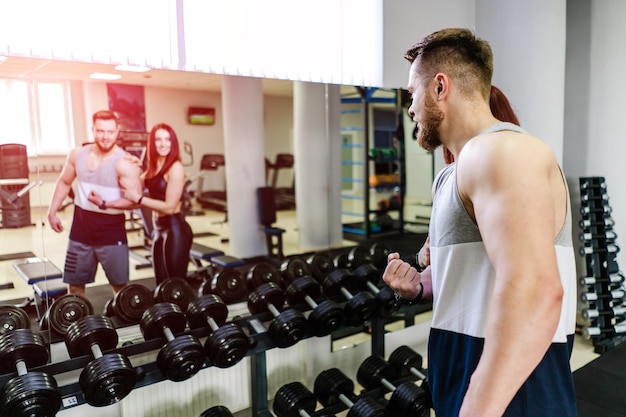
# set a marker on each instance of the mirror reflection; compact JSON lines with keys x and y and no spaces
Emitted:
{"x":47,"y":112}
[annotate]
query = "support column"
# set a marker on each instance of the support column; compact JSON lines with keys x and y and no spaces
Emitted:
{"x":244,"y":144}
{"x":317,"y":162}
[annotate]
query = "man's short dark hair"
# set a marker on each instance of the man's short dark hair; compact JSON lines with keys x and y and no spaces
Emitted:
{"x":458,"y":53}
{"x":105,"y":115}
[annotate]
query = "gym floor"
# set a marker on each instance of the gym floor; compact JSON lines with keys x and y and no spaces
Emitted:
{"x":210,"y":229}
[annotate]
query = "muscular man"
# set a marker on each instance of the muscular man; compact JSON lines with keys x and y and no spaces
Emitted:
{"x":502,"y":263}
{"x":98,"y":233}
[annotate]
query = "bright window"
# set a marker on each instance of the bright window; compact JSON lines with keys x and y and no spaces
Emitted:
{"x":36,"y":114}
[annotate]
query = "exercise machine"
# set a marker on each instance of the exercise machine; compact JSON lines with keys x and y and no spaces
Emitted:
{"x":212,"y":199}
{"x":285,"y":196}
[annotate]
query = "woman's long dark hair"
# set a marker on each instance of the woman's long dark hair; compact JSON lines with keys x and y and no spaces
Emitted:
{"x":153,"y":155}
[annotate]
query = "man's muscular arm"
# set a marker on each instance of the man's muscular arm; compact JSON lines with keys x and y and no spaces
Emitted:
{"x":61,"y":191}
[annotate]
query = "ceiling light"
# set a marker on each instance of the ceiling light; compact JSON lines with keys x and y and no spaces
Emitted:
{"x":105,"y":76}
{"x":132,"y":68}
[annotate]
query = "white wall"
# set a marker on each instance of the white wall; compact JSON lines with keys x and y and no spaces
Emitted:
{"x":606,"y":147}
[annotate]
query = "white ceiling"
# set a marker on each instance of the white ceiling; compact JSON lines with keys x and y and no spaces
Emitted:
{"x":28,"y":68}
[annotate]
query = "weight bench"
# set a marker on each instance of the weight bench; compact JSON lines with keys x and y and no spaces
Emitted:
{"x":45,"y":278}
{"x":199,"y":253}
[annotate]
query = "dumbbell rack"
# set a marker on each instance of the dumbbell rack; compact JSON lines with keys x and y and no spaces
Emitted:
{"x":149,"y":373}
{"x":603,"y":281}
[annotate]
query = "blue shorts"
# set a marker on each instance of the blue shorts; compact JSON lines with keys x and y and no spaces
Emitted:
{"x":81,"y":263}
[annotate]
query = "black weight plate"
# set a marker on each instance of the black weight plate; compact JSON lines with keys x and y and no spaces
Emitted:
{"x":373,"y":370}
{"x":294,"y":268}
{"x":330,"y":384}
{"x":160,"y":316}
{"x":341,"y":261}
{"x":22,"y":345}
{"x":108,"y":309}
{"x":174,"y":290}
{"x":263,"y":273}
{"x":388,"y":304}
{"x":107,"y":379}
{"x":293,"y":397}
{"x":326,"y":318}
{"x":181,"y":358}
{"x":358,"y":256}
{"x":226,"y":346}
{"x":367,"y":406}
{"x":67,"y":309}
{"x":288,"y":328}
{"x":300,"y":288}
{"x":32,"y":394}
{"x":408,"y":400}
{"x":378,"y":254}
{"x":131,"y":301}
{"x":321,"y":265}
{"x":217,"y":411}
{"x":90,"y":330}
{"x":230,"y":285}
{"x":205,"y":307}
{"x":263,"y":296}
{"x":205,"y":288}
{"x":360,"y":308}
{"x":13,"y":317}
{"x":403,"y":358}
{"x":369,"y":273}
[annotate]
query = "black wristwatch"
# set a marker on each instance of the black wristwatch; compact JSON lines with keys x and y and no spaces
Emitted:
{"x":103,"y":205}
{"x":414,"y":301}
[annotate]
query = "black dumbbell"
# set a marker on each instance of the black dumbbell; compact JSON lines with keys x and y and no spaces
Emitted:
{"x":13,"y":317}
{"x":64,"y":311}
{"x":385,"y":297}
{"x":263,"y":273}
{"x":341,"y":261}
{"x":217,"y":411}
{"x":182,"y":356}
{"x":407,"y":399}
{"x":407,"y":361}
{"x":287,"y":327}
{"x":378,"y":254}
{"x":28,"y":393}
{"x":109,"y":377}
{"x":129,"y":303}
{"x":325,"y":317}
{"x":332,"y":387}
{"x":227,"y":344}
{"x":294,"y":268}
{"x":360,"y":306}
{"x":294,"y":400}
{"x":321,"y":265}
{"x":174,"y":290}
{"x":229,"y":284}
{"x":358,"y":256}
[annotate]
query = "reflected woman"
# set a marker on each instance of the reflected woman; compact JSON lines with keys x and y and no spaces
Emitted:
{"x":164,"y":180}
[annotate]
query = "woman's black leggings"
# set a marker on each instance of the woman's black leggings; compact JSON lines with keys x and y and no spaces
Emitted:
{"x":170,"y":247}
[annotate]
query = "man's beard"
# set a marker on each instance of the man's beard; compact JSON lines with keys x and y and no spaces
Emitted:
{"x":107,"y":148}
{"x":427,"y":134}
